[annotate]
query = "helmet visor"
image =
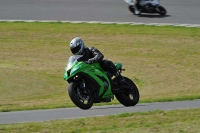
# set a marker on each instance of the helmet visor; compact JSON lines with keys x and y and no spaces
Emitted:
{"x":76,"y":50}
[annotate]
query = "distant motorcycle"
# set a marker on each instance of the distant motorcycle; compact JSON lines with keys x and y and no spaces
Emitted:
{"x":147,"y":6}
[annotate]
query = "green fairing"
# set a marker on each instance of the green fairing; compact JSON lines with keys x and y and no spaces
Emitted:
{"x":93,"y":70}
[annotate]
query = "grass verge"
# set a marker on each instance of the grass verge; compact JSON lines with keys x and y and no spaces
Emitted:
{"x":162,"y":61}
{"x":176,"y":121}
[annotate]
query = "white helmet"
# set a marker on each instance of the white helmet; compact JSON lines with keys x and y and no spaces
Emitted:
{"x":77,"y":46}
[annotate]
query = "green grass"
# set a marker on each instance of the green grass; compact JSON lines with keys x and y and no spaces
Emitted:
{"x":162,"y":61}
{"x":176,"y":121}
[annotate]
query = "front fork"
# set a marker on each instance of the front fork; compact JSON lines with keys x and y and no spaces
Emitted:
{"x":81,"y":82}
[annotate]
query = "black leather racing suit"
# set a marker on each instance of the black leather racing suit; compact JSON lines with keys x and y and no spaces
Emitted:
{"x":94,"y":55}
{"x":137,"y":4}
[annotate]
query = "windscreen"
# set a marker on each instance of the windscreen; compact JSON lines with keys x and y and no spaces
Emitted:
{"x":71,"y":61}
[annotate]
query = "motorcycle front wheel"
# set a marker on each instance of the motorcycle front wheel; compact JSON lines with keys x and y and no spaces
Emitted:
{"x":131,"y":9}
{"x":82,"y":98}
{"x":131,"y":97}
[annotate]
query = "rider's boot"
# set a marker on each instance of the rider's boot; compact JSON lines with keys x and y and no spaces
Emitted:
{"x":137,"y":11}
{"x":116,"y":73}
{"x":136,"y":7}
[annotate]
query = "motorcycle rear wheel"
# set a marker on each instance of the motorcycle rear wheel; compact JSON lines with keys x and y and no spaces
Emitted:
{"x":162,"y":10}
{"x":129,"y":99}
{"x":80,"y":98}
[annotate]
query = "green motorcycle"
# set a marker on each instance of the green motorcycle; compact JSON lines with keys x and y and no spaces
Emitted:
{"x":89,"y":84}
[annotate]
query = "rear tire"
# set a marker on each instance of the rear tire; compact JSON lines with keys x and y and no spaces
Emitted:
{"x":162,"y":10}
{"x":79,"y":97}
{"x":129,"y":99}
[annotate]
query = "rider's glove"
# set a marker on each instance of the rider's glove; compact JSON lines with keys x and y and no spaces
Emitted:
{"x":89,"y":61}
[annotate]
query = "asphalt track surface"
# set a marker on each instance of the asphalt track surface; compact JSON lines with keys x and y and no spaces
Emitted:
{"x":95,"y":111}
{"x":179,"y":11}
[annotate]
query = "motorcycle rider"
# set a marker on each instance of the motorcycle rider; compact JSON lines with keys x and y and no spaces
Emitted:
{"x":92,"y":55}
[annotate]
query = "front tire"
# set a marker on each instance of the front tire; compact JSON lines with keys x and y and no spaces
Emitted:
{"x":126,"y":98}
{"x":82,"y":99}
{"x":131,"y":9}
